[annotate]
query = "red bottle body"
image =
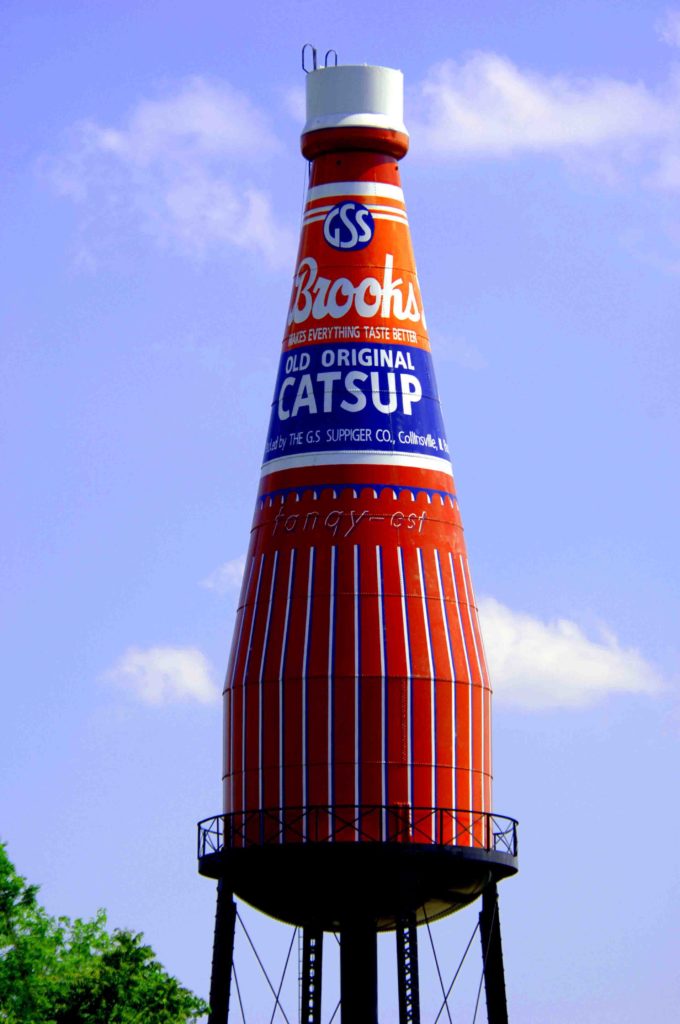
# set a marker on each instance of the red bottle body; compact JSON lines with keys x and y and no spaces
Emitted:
{"x":357,"y":701}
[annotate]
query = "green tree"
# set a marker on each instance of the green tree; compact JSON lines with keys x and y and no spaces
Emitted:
{"x":59,"y":971}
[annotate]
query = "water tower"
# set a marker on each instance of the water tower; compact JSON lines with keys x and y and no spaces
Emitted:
{"x":357,"y":704}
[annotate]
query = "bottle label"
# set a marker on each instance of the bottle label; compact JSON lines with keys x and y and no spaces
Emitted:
{"x":355,"y":401}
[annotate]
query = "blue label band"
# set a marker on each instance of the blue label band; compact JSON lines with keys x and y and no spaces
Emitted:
{"x":359,"y":398}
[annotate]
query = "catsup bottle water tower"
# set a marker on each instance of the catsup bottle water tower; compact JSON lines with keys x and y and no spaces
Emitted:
{"x":357,"y":705}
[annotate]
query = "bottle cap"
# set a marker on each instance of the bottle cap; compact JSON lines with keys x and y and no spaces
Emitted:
{"x":356,"y":96}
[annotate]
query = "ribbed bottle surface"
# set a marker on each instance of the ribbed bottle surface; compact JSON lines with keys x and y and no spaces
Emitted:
{"x":357,"y":677}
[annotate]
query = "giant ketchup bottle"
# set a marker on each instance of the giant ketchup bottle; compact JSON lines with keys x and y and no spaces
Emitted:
{"x":357,"y":700}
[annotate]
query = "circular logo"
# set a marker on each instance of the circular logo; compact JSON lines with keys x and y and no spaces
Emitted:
{"x":348,"y":225}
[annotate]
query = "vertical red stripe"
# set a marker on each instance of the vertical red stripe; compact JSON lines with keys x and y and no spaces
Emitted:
{"x":476,"y":763}
{"x":443,"y":674}
{"x":462,"y":701}
{"x":397,"y":696}
{"x":252,"y":687}
{"x":238,"y":691}
{"x":421,"y":685}
{"x":292,"y":725}
{"x":485,"y":695}
{"x":371,"y":698}
{"x":317,"y":688}
{"x":344,"y":736}
{"x":272,"y":752}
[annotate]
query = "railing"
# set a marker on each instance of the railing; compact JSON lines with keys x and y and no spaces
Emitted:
{"x":398,"y":823}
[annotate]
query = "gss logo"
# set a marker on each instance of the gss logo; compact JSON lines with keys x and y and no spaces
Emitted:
{"x":348,"y":225}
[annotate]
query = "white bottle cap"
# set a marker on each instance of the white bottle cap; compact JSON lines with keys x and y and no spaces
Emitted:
{"x":355,"y":95}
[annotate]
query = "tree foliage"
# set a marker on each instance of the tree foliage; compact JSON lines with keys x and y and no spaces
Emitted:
{"x":54,"y":970}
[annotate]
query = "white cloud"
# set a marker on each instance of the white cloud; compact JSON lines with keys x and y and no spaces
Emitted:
{"x":186,"y":168}
{"x":536,"y":665}
{"x":227,"y":577}
{"x":486,"y":106}
{"x":165,"y":675}
{"x":177,"y":168}
{"x":669,"y":27}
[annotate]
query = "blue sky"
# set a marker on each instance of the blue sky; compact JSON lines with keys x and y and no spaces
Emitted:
{"x":152,"y":187}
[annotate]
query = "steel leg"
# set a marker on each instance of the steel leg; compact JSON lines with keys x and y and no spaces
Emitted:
{"x":223,"y":956}
{"x":492,"y":952}
{"x":407,"y":970}
{"x":312,"y":961}
{"x":359,"y":973}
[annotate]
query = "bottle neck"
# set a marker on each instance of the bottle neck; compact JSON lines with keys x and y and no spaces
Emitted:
{"x":354,"y":154}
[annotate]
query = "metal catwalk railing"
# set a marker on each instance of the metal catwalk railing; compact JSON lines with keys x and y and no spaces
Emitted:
{"x":366,"y":824}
